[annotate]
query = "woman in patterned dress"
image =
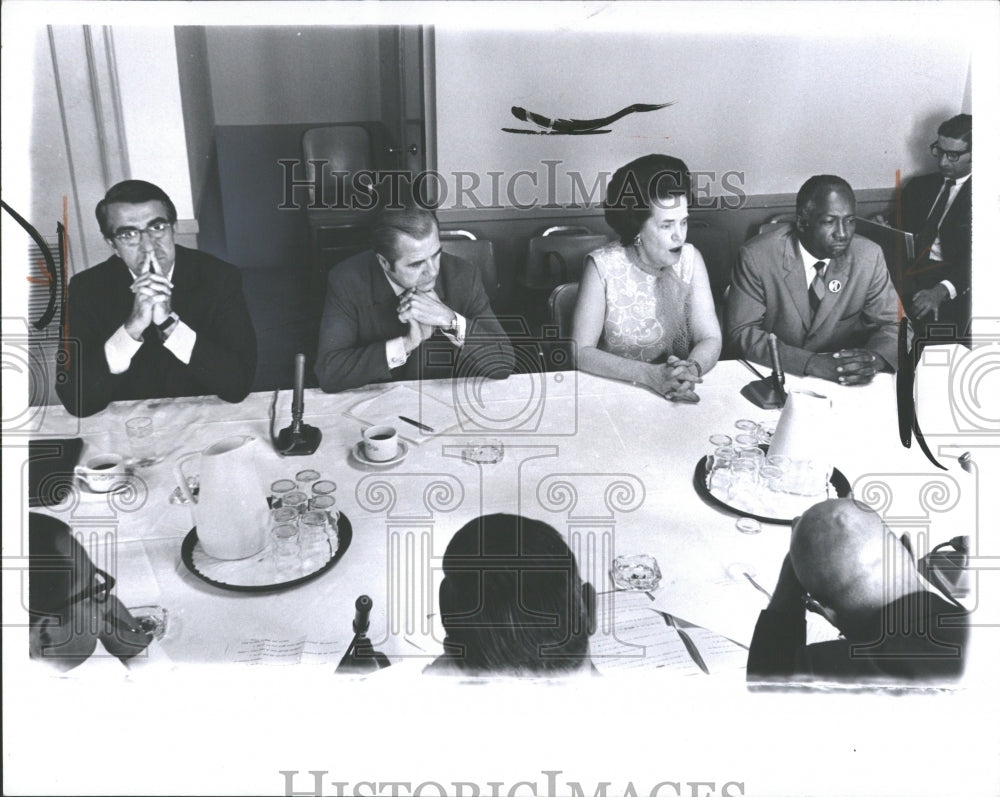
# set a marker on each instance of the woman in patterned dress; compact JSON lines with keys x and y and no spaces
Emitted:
{"x":645,"y":312}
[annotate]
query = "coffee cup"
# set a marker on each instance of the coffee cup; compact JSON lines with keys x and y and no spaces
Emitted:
{"x":380,"y":443}
{"x":102,"y":472}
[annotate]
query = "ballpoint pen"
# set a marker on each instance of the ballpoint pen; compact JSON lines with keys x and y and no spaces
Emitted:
{"x":422,"y":426}
{"x":689,"y":644}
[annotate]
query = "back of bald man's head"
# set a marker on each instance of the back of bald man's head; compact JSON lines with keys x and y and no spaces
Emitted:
{"x":846,"y":558}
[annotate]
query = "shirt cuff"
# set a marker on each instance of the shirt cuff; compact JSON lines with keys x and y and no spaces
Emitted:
{"x":181,"y":342}
{"x":395,"y":353}
{"x":952,"y":293}
{"x":119,"y":350}
{"x":458,"y":336}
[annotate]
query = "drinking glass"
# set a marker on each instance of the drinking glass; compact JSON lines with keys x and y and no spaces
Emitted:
{"x":305,"y":479}
{"x":279,"y":489}
{"x":720,"y":467}
{"x":314,"y":539}
{"x":140,"y":438}
{"x":285,"y":550}
{"x":284,"y":516}
{"x":771,"y":477}
{"x":324,"y":487}
{"x":296,"y":499}
{"x":746,"y":425}
{"x":327,"y":504}
{"x":718,"y":440}
{"x":764,"y":432}
{"x":746,"y":440}
{"x":751,"y":453}
{"x":742,"y":482}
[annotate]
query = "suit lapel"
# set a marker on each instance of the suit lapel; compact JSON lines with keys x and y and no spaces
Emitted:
{"x":384,"y":302}
{"x":795,"y":278}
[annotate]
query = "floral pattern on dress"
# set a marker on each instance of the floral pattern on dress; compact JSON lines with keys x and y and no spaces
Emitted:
{"x":647,"y":317}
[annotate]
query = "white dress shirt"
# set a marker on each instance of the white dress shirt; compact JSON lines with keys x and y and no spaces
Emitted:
{"x":121,"y":347}
{"x":395,"y":348}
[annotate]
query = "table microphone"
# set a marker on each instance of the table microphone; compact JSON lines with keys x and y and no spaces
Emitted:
{"x":769,"y":393}
{"x":299,"y":439}
{"x":777,"y":375}
{"x":362,"y":608}
{"x":361,"y":657}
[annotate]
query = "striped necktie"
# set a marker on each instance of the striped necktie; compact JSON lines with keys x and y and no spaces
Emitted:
{"x":817,"y":290}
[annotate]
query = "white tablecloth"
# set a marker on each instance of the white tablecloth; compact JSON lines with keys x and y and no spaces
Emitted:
{"x":608,"y":464}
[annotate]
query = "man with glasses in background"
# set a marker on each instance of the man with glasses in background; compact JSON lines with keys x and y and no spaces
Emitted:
{"x":937,"y":208}
{"x":155,"y":319}
{"x":72,"y":611}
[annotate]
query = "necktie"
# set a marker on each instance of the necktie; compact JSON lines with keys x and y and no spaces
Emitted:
{"x":927,"y":234}
{"x":817,"y":290}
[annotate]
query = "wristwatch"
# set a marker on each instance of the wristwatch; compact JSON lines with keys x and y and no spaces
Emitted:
{"x":166,"y":326}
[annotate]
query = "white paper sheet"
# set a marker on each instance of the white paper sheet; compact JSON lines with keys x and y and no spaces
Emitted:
{"x":386,"y":409}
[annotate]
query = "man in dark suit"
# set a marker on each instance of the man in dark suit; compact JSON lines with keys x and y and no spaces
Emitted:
{"x":824,"y":293}
{"x":404,"y":310}
{"x":155,"y":319}
{"x":938,"y":209}
{"x":845,"y":564}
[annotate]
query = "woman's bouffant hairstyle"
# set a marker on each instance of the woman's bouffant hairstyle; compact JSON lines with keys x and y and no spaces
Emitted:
{"x":637,"y":186}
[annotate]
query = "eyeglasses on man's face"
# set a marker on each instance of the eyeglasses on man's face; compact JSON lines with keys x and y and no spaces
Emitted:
{"x":953,"y":156}
{"x":101,"y":584}
{"x":130,"y":236}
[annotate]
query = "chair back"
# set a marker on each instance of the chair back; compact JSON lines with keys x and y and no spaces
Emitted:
{"x":340,"y":148}
{"x":715,"y":245}
{"x":562,"y":303}
{"x":555,"y":258}
{"x":781,"y":218}
{"x":478,"y":252}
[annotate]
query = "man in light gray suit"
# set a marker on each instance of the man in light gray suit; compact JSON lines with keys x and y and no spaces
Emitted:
{"x":825,"y":294}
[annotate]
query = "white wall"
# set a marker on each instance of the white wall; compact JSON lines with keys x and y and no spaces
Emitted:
{"x":778,"y":108}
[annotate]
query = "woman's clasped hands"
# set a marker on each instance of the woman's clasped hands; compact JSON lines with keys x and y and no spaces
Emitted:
{"x":676,"y":379}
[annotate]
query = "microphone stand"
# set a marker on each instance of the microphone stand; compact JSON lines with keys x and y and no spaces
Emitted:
{"x":769,"y":393}
{"x":298,"y":439}
{"x":361,"y":657}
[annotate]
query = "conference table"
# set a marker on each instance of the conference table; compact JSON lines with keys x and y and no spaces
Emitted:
{"x":608,"y":464}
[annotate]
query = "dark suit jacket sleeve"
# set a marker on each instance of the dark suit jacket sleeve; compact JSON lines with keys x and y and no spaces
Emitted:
{"x":224,"y":358}
{"x":882,"y":310}
{"x":777,"y":638}
{"x":487,"y":350}
{"x":343,"y":361}
{"x":746,"y":307}
{"x":84,"y":383}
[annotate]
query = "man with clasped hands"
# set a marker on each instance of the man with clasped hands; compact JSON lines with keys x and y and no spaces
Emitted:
{"x":155,"y":320}
{"x":405,"y":310}
{"x":823,"y":292}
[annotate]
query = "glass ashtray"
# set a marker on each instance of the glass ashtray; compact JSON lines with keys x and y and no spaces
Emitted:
{"x":637,"y":572}
{"x":151,"y":619}
{"x":485,"y":452}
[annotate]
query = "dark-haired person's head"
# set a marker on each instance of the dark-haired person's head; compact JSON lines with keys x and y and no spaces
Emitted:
{"x":642,"y":186}
{"x":824,"y":210}
{"x":512,"y":601}
{"x":137,"y":218}
{"x":407,"y":245}
{"x":953,"y":147}
{"x":132,"y":192}
{"x":70,"y":605}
